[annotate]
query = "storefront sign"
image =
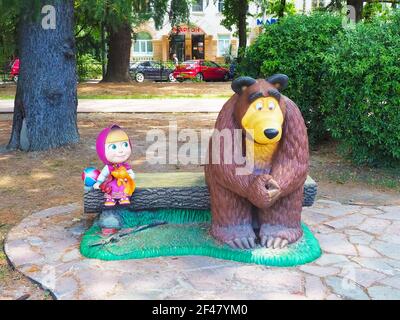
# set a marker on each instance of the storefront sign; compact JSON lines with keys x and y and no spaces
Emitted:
{"x":186,"y":29}
{"x":261,"y":22}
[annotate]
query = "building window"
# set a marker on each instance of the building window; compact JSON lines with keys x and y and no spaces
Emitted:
{"x":224,"y":43}
{"x":197,"y":6}
{"x":220,"y":5}
{"x":143,"y":44}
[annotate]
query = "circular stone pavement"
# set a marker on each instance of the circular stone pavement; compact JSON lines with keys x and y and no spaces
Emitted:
{"x":361,"y":260}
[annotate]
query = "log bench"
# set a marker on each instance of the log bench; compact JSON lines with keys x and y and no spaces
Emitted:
{"x":173,"y":190}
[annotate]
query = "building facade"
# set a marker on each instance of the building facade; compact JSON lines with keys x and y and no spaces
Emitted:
{"x":203,"y":38}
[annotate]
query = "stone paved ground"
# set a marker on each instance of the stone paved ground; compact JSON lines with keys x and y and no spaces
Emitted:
{"x":361,"y":260}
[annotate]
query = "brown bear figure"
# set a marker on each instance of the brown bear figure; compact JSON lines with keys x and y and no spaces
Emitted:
{"x":266,"y":199}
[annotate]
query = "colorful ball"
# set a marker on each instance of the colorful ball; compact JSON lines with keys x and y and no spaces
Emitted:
{"x":89,"y":176}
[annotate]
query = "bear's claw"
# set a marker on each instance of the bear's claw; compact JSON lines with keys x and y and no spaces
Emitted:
{"x":237,"y":237}
{"x":243,"y":243}
{"x":275,"y":243}
{"x":278,"y":236}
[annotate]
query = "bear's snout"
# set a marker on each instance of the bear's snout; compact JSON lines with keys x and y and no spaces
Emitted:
{"x":271,"y":133}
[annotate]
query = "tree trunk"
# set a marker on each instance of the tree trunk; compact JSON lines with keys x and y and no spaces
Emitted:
{"x":119,"y":52}
{"x":46,"y":99}
{"x":358,"y":6}
{"x":282,"y":7}
{"x":174,"y":197}
{"x":242,"y":27}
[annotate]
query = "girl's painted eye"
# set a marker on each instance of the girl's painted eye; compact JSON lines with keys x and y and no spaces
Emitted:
{"x":259,"y":106}
{"x":125,"y":144}
{"x":271,"y":106}
{"x":113,"y":146}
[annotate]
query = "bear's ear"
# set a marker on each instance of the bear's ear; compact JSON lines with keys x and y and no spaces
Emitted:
{"x":240,"y":84}
{"x":280,"y":81}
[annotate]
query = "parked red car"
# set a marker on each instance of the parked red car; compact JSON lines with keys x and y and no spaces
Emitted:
{"x":200,"y":70}
{"x":14,"y":73}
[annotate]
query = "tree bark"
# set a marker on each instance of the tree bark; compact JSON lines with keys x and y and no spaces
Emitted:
{"x":119,"y":52}
{"x":242,"y":26}
{"x":281,"y":12}
{"x":358,"y":6}
{"x":195,"y":197}
{"x":46,"y":100}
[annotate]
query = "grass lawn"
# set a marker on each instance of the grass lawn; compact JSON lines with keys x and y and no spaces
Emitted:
{"x":146,"y":90}
{"x":35,"y":181}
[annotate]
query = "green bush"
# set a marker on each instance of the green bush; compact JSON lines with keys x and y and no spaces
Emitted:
{"x":88,"y":67}
{"x":362,"y":106}
{"x":296,"y":46}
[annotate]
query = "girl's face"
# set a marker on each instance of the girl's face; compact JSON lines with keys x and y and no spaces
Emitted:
{"x":117,"y":152}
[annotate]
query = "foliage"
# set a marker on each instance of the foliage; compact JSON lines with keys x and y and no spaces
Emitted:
{"x":9,"y":17}
{"x":296,"y":46}
{"x":88,"y":67}
{"x":231,"y":12}
{"x":363,"y":105}
{"x":275,"y":7}
{"x":375,"y":9}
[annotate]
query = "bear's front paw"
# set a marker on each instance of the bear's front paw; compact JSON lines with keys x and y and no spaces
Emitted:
{"x":236,"y":236}
{"x":264,"y":191}
{"x":278,"y":236}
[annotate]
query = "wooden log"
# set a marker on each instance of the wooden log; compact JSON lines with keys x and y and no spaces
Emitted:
{"x":182,"y":190}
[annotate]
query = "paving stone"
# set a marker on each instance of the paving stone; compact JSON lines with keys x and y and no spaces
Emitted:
{"x":333,"y":297}
{"x":329,"y":259}
{"x":362,"y":238}
{"x":353,"y":232}
{"x":211,"y":279}
{"x":378,"y":264}
{"x":391,"y":250}
{"x":66,"y":287}
{"x":390,"y":209}
{"x":370,"y":211}
{"x":346,"y":288}
{"x":392,"y":281}
{"x":363,"y":277}
{"x":374,"y":226}
{"x":312,"y":218}
{"x":384,"y":293}
{"x":364,"y":251}
{"x":45,"y":247}
{"x":315,"y":289}
{"x":34,"y":241}
{"x":335,"y":211}
{"x":347,"y":221}
{"x":391,"y":213}
{"x":319,"y":271}
{"x":275,"y":280}
{"x":327,"y":202}
{"x":336,"y":243}
{"x":392,"y":233}
{"x":71,"y":255}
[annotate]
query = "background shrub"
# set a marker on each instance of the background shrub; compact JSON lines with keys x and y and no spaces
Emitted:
{"x":296,"y":46}
{"x":88,"y":67}
{"x":362,"y":106}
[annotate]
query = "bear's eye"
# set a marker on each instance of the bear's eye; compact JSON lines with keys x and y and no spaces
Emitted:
{"x":259,"y":106}
{"x":271,"y":106}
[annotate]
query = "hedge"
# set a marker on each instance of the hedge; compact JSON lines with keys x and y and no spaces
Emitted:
{"x":362,"y":107}
{"x":346,"y":81}
{"x":296,"y":46}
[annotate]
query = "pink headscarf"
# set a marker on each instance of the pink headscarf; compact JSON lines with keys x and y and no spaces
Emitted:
{"x":101,"y":142}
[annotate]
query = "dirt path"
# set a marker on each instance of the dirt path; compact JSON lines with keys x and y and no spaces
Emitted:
{"x":160,"y":89}
{"x":34,"y":181}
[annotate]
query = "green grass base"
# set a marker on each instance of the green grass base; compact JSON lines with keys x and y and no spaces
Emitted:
{"x":187,"y":234}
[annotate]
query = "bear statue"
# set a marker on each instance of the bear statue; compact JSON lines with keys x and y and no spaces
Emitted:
{"x":263,"y":205}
